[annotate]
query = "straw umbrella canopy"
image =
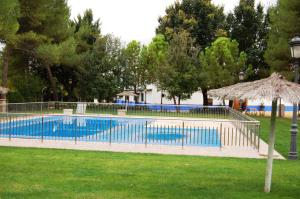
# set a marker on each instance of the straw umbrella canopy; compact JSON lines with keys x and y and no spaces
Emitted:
{"x":271,"y":88}
{"x":127,"y":93}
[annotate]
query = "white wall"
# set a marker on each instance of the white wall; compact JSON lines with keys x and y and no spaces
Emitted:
{"x":153,"y":96}
{"x":266,"y":102}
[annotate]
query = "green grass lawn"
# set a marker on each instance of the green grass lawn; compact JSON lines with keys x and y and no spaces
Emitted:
{"x":46,"y":173}
{"x":282,"y":135}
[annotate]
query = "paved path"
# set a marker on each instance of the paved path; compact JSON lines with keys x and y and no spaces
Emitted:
{"x":140,"y":148}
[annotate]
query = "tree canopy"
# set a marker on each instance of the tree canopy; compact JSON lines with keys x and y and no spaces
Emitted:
{"x":177,"y":73}
{"x":249,"y":26}
{"x":284,"y":19}
{"x":197,"y":47}
{"x":221,"y":64}
{"x":201,"y":18}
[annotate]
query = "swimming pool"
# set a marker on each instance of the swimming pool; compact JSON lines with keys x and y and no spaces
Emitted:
{"x":109,"y":129}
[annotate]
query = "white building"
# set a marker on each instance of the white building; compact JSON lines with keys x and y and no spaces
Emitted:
{"x":155,"y":96}
{"x":152,"y":95}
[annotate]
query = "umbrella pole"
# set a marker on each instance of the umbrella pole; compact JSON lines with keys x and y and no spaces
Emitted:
{"x":271,"y":148}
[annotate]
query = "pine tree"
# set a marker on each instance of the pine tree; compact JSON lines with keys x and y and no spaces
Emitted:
{"x":285,"y":20}
{"x":248,"y":25}
{"x":44,"y":25}
{"x":9,"y":10}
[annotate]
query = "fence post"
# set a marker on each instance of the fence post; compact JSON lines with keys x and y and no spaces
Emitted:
{"x":9,"y":128}
{"x":42,"y":128}
{"x":76,"y":129}
{"x":258,"y":137}
{"x":110,"y":132}
{"x":221,"y":136}
{"x":182,"y":135}
{"x":146,"y":134}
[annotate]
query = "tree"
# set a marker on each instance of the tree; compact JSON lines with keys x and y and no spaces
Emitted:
{"x":25,"y":88}
{"x":58,"y":55}
{"x":43,"y":25}
{"x":177,"y":74}
{"x":102,"y":76}
{"x":249,"y":26}
{"x":152,"y":57}
{"x":9,"y":10}
{"x":134,"y":74}
{"x":102,"y":67}
{"x":87,"y":31}
{"x":76,"y":50}
{"x":201,"y":18}
{"x":220,"y":65}
{"x":284,"y":19}
{"x":49,"y":55}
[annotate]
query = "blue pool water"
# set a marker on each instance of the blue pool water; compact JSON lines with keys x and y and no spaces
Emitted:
{"x":165,"y":136}
{"x":104,"y":129}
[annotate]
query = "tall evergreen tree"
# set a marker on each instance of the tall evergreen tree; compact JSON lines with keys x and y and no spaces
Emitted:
{"x":201,"y":18}
{"x":285,"y":18}
{"x":86,"y":32}
{"x":9,"y":25}
{"x":249,"y":25}
{"x":44,"y":24}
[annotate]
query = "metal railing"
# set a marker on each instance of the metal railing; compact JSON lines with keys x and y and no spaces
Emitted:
{"x":190,"y":111}
{"x":147,"y":131}
{"x":241,"y":122}
{"x":185,"y":125}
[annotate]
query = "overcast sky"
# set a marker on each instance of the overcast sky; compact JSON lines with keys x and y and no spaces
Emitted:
{"x":134,"y":19}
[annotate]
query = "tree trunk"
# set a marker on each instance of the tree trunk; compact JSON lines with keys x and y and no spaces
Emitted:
{"x":174,"y":100}
{"x":205,"y":98}
{"x":52,"y":82}
{"x":178,"y":107}
{"x":4,"y":82}
{"x":268,"y":178}
{"x":6,"y":55}
{"x":135,"y":92}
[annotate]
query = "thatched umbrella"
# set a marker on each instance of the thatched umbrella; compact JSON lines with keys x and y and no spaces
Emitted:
{"x":271,"y":88}
{"x":127,"y":94}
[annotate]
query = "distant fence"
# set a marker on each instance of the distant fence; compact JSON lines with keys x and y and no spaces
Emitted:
{"x":146,"y":131}
{"x":193,"y":111}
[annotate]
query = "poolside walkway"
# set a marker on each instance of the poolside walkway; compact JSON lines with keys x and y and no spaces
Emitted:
{"x":140,"y":148}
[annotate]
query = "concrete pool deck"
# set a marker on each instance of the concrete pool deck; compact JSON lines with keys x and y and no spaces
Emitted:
{"x":236,"y":142}
{"x":236,"y":152}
